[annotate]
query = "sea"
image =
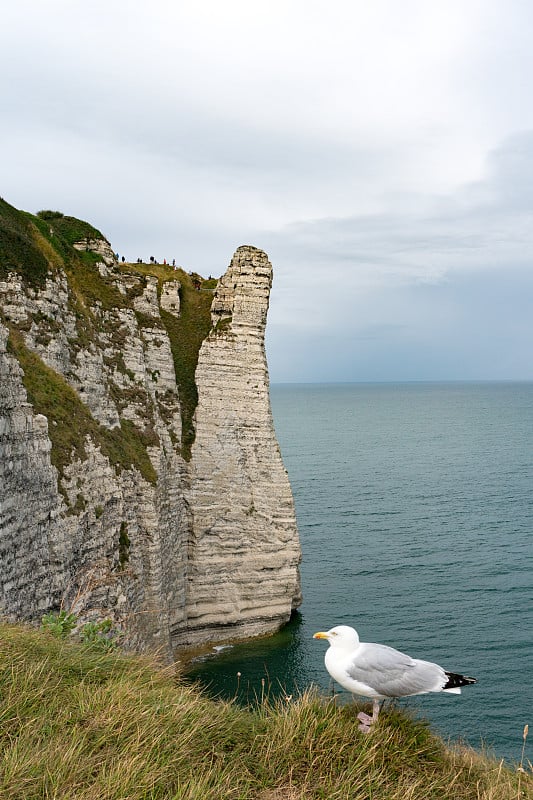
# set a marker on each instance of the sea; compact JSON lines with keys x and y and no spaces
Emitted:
{"x":414,"y":504}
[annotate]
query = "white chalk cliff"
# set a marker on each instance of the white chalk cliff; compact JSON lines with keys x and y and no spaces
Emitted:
{"x":178,"y":547}
{"x":244,"y":545}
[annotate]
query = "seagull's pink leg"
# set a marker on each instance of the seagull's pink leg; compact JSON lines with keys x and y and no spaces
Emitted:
{"x":376,"y":705}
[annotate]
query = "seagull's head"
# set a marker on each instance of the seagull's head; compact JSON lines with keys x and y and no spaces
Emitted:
{"x":340,"y":636}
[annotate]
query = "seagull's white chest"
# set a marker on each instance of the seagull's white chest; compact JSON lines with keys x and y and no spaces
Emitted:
{"x":337,"y":664}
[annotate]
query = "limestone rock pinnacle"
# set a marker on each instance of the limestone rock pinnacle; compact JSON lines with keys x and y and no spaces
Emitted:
{"x":243,"y":574}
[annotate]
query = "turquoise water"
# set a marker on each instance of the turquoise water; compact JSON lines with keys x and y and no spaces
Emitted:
{"x":415,"y":512}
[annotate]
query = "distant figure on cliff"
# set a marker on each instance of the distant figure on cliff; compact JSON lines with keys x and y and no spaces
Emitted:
{"x":123,"y":259}
{"x":174,"y":263}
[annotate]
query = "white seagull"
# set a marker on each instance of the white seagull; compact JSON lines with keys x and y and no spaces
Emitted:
{"x":381,"y":672}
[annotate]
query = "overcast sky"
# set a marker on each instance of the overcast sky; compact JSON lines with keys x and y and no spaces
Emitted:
{"x":380,"y":152}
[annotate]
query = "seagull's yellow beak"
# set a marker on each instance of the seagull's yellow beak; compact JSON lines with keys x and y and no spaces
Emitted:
{"x":320,"y":635}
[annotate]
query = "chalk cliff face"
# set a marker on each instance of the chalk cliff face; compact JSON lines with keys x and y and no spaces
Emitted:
{"x":132,"y":485}
{"x":244,"y":544}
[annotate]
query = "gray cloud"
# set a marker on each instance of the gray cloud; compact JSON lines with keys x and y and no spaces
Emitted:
{"x":437,"y":289}
{"x":382,"y":155}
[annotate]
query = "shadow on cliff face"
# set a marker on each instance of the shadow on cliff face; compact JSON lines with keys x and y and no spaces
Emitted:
{"x":273,"y":666}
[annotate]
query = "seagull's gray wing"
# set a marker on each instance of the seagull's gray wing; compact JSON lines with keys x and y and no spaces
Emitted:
{"x":394,"y":674}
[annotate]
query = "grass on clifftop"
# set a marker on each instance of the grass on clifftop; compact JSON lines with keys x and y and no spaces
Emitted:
{"x":68,"y":228}
{"x":20,"y":249}
{"x":80,"y":724}
{"x":32,"y":244}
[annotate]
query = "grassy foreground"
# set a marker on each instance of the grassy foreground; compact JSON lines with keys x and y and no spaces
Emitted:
{"x":78,"y":723}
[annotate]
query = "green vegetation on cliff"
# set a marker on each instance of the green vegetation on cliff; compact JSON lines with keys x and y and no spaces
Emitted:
{"x":70,"y":421}
{"x":34,"y":246}
{"x":67,"y":228}
{"x":77,"y":722}
{"x":186,"y":334}
{"x":31,"y":245}
{"x":20,"y":248}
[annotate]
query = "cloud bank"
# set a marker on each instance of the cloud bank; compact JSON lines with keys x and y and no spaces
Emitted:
{"x":381,"y":153}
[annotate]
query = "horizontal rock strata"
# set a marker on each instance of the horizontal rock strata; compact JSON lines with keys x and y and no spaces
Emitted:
{"x":244,"y":550}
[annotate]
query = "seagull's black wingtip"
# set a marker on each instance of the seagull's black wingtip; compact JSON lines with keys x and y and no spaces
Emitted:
{"x":455,"y":680}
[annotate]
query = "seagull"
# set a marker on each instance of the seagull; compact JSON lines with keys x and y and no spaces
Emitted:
{"x":381,"y":672}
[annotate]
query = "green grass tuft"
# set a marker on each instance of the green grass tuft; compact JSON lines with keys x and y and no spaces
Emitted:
{"x":79,"y":722}
{"x":123,"y":545}
{"x":48,"y":214}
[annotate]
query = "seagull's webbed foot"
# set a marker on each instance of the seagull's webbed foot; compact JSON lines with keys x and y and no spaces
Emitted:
{"x":365,"y":720}
{"x":362,"y":717}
